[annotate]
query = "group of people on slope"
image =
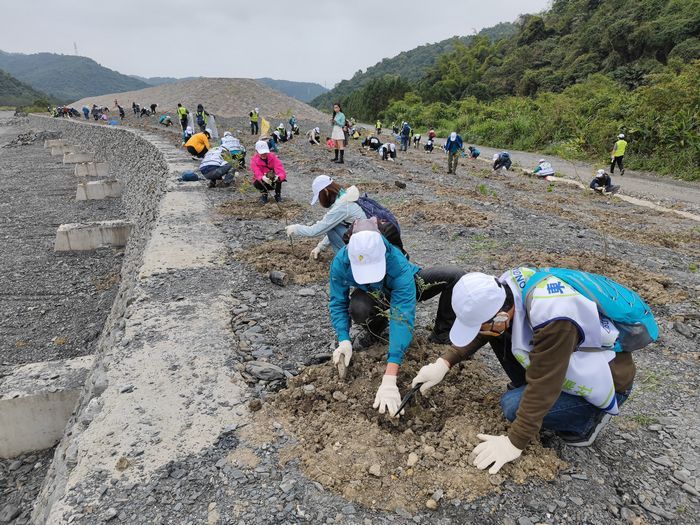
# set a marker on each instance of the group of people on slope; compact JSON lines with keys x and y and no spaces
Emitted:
{"x":560,"y":353}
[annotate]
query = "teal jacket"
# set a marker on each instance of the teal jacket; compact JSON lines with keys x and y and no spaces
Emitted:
{"x":398,"y":284}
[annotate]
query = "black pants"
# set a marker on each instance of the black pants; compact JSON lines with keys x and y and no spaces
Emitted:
{"x":264,"y":187}
{"x":199,"y":155}
{"x":253,"y":128}
{"x":217,"y":173}
{"x":618,"y":161}
{"x":368,"y":311}
{"x":183,"y":123}
{"x":502,"y":164}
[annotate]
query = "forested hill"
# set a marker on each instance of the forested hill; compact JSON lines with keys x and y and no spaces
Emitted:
{"x":66,"y":77}
{"x":408,"y":65}
{"x":16,"y":93}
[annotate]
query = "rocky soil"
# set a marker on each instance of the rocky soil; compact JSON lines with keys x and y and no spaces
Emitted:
{"x":315,"y":451}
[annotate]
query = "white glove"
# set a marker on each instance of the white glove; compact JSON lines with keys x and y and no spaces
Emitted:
{"x":315,"y":253}
{"x":267,"y":180}
{"x":430,"y":375}
{"x":494,"y":449}
{"x":341,"y":357}
{"x":388,"y":397}
{"x":292,"y":229}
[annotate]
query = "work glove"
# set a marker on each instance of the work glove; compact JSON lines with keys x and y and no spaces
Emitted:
{"x":315,"y":253}
{"x":291,"y":230}
{"x":430,"y":375}
{"x":388,"y":397}
{"x":341,"y":357}
{"x":267,"y":180}
{"x":494,"y":449}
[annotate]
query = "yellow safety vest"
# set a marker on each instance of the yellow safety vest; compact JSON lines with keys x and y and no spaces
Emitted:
{"x":254,"y":117}
{"x":620,"y":147}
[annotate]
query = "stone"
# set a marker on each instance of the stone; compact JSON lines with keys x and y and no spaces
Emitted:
{"x":178,"y":473}
{"x":264,"y":371}
{"x":339,"y":396}
{"x":431,"y":504}
{"x":577,"y":500}
{"x":306,"y":292}
{"x":8,"y":513}
{"x":690,"y":489}
{"x":122,"y":464}
{"x":279,"y":278}
{"x":412,"y":459}
{"x":254,"y":405}
{"x":663,"y":461}
{"x":375,"y":470}
{"x":287,"y":485}
{"x":111,"y":514}
{"x":683,"y":329}
{"x":524,"y":521}
{"x":400,"y":184}
{"x":15,"y":465}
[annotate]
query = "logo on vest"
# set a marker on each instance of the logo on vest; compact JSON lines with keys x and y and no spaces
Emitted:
{"x":554,"y":288}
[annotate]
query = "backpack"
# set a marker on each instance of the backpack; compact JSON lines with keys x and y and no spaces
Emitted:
{"x":624,"y":307}
{"x":189,"y":176}
{"x":200,"y":119}
{"x":387,"y":229}
{"x":373,"y":209}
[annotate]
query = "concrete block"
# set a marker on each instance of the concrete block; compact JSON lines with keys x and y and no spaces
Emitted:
{"x":78,"y":237}
{"x":75,"y":158}
{"x":36,"y":401}
{"x":92,"y":169}
{"x":57,"y":151}
{"x":101,"y":189}
{"x":50,"y":143}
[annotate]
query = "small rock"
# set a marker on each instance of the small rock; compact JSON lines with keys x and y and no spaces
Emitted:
{"x":438,"y":494}
{"x":339,"y":396}
{"x":287,"y":485}
{"x":15,"y":465}
{"x":579,"y":476}
{"x":178,"y":473}
{"x":264,"y":371}
{"x":628,"y":515}
{"x":254,"y":405}
{"x":400,"y":184}
{"x":523,"y":520}
{"x":8,"y":513}
{"x":664,"y":461}
{"x":126,"y":389}
{"x":682,"y":475}
{"x":412,"y":459}
{"x":306,"y":292}
{"x":309,"y":389}
{"x":279,"y":278}
{"x":577,"y":500}
{"x":122,"y":464}
{"x":348,"y":509}
{"x":375,"y":470}
{"x":111,"y":514}
{"x":683,"y":329}
{"x":431,"y":504}
{"x":690,"y":489}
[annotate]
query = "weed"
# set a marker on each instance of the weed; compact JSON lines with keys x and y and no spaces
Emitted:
{"x":693,"y":267}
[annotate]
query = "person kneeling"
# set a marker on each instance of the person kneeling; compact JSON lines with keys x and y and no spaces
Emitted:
{"x":387,"y":151}
{"x":569,"y":367}
{"x":602,"y":183}
{"x":214,"y":167}
{"x":268,"y":172}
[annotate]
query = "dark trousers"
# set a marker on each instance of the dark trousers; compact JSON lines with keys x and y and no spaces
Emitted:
{"x":452,"y":160}
{"x":263,"y":187}
{"x":183,"y":123}
{"x":199,"y":155}
{"x":502,"y":164}
{"x":216,"y":173}
{"x":253,"y":128}
{"x":618,"y":161}
{"x":369,"y":311}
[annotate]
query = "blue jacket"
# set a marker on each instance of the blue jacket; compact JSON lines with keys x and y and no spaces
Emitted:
{"x":453,"y":146}
{"x":398,"y":283}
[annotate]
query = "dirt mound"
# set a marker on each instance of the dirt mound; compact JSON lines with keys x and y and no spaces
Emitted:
{"x":439,"y":212}
{"x":226,"y":97}
{"x":344,"y":444}
{"x":655,"y":288}
{"x":253,"y":209}
{"x":294,"y":261}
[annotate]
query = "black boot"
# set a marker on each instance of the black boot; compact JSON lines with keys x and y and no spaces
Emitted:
{"x":263,"y":198}
{"x":336,"y":156}
{"x":342,"y":154}
{"x":278,"y":197}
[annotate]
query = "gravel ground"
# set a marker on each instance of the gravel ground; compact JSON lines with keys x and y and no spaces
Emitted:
{"x":52,"y":305}
{"x":642,"y":469}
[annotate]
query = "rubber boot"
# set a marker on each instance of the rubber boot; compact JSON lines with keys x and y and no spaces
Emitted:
{"x":342,"y":155}
{"x":336,"y":156}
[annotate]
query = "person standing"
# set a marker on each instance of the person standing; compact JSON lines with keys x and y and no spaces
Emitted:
{"x":618,"y":154}
{"x":153,"y":108}
{"x":378,"y":127}
{"x":182,"y":115}
{"x":268,"y":172}
{"x":122,"y":114}
{"x":254,"y":118}
{"x":405,"y":136}
{"x":453,"y":146}
{"x":337,"y":134}
{"x":201,"y":117}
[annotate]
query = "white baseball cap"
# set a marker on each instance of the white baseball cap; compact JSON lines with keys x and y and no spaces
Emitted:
{"x":600,"y":173}
{"x":366,"y":252}
{"x":453,"y":135}
{"x":320,"y":182}
{"x":621,"y":136}
{"x":540,"y":161}
{"x":262,"y":147}
{"x":208,"y":131}
{"x":476,"y":298}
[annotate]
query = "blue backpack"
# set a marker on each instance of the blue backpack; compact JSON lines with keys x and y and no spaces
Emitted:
{"x":373,"y":209}
{"x":624,"y":307}
{"x":189,"y":176}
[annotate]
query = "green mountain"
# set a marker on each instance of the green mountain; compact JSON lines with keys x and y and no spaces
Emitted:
{"x":409,"y":65}
{"x":157,"y":81}
{"x":16,"y":93}
{"x":304,"y":91}
{"x":66,"y":78}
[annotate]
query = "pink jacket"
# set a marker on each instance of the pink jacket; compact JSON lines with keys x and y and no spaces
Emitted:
{"x":262,"y":167}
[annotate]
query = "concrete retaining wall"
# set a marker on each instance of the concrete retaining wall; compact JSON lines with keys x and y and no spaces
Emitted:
{"x":161,"y":361}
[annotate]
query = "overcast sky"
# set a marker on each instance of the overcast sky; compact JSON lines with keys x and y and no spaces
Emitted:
{"x":320,"y":41}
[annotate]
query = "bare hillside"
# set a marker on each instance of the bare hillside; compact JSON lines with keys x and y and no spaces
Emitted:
{"x":227,"y":97}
